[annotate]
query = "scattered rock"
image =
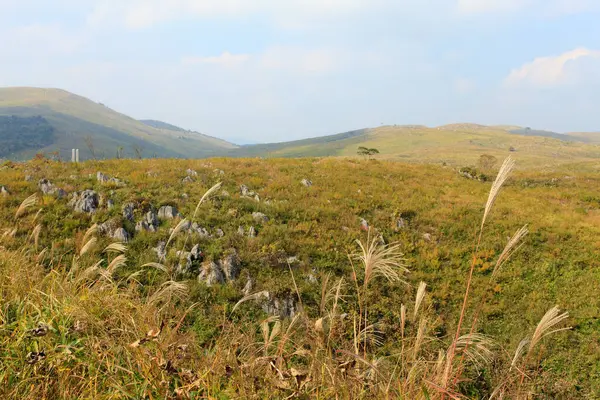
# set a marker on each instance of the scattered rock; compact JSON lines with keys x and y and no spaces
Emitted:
{"x":110,"y":204}
{"x":231,"y":264}
{"x":46,"y":186}
{"x":86,"y":201}
{"x":251,"y":232}
{"x":225,"y":193}
{"x":249,"y":286}
{"x":28,"y":178}
{"x":191,"y":172}
{"x":400,"y":224}
{"x":4,"y":191}
{"x":187,"y":179}
{"x":260,"y":217}
{"x":167,"y":212}
{"x":219,"y":233}
{"x":103,"y":178}
{"x":306,"y":182}
{"x":128,"y":210}
{"x":256,"y":198}
{"x":312,"y":278}
{"x":189,"y":261}
{"x":293,"y":260}
{"x":364,"y":225}
{"x":121,"y":235}
{"x":241,"y":231}
{"x":211,"y":274}
{"x":109,"y":227}
{"x":245,"y":191}
{"x":161,"y":251}
{"x":149,"y":223}
{"x":283,"y":306}
{"x":427,"y":237}
{"x":219,"y":172}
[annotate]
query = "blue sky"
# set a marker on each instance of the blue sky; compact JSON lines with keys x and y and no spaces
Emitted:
{"x":275,"y":70}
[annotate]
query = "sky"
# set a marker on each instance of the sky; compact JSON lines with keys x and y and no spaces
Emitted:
{"x":275,"y":70}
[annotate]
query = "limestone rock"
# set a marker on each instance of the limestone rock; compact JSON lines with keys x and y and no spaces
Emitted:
{"x":306,"y":182}
{"x":211,"y":274}
{"x":260,"y":217}
{"x":86,"y":201}
{"x":121,"y":235}
{"x":4,"y":191}
{"x":231,"y":264}
{"x":167,"y":212}
{"x":128,"y":211}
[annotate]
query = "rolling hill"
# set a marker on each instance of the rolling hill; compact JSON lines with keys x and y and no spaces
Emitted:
{"x":76,"y":120}
{"x":455,"y":144}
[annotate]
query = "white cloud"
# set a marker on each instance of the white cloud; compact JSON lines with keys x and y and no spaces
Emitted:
{"x":553,"y":70}
{"x":138,"y":14}
{"x":226,"y":60}
{"x":551,"y":8}
{"x":490,"y":6}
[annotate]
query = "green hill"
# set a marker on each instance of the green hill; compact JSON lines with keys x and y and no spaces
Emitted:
{"x":456,"y":144}
{"x":78,"y":122}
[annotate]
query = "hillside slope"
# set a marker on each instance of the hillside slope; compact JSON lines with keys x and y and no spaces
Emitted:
{"x":457,"y":144}
{"x":75,"y":118}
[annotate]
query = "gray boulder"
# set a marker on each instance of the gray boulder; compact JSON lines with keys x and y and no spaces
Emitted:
{"x":191,"y":172}
{"x":28,"y":178}
{"x":167,"y":212}
{"x":231,"y":264}
{"x":161,"y":251}
{"x":189,"y":261}
{"x":187,"y":179}
{"x":103,"y":178}
{"x":283,"y":306}
{"x":306,"y":182}
{"x":128,"y":210}
{"x":241,"y":231}
{"x":86,"y":201}
{"x":149,"y":223}
{"x":211,"y":274}
{"x":110,"y":204}
{"x":121,"y":235}
{"x":260,"y":217}
{"x":364,"y":225}
{"x":251,"y":232}
{"x":46,"y":186}
{"x":4,"y":191}
{"x":219,"y":233}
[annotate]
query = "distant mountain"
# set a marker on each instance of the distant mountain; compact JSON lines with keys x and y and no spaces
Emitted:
{"x":78,"y":122}
{"x":454,"y":144}
{"x":161,"y":125}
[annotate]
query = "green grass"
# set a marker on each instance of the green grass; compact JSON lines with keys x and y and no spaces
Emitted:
{"x":558,"y":264}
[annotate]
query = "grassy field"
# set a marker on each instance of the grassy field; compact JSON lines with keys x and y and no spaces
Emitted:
{"x":458,"y":145}
{"x":82,"y":316}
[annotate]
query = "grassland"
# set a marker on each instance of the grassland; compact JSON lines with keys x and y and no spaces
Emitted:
{"x":458,"y":145}
{"x":80,"y":321}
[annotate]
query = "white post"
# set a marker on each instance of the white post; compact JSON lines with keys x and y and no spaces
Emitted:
{"x":72,"y":155}
{"x":76,"y":155}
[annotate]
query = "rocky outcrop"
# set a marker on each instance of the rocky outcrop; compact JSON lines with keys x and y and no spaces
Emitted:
{"x":128,"y":210}
{"x":121,"y":235}
{"x":149,"y":223}
{"x":226,"y":269}
{"x":260,"y":217}
{"x":251,"y":232}
{"x":48,"y":188}
{"x":105,"y":179}
{"x":283,"y":306}
{"x":306,"y":182}
{"x":189,"y":261}
{"x":161,"y":251}
{"x":231,"y":264}
{"x":167,"y":212}
{"x":191,"y":172}
{"x":85,"y":202}
{"x":187,"y":179}
{"x":211,"y":274}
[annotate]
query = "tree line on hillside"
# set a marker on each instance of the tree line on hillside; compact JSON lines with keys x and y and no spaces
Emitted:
{"x":23,"y":133}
